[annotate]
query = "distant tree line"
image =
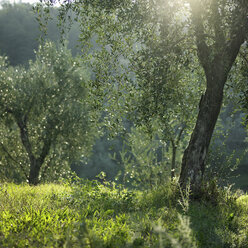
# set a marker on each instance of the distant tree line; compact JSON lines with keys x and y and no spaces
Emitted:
{"x":19,"y":32}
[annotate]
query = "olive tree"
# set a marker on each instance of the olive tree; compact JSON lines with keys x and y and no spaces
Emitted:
{"x":44,"y":115}
{"x":220,"y":29}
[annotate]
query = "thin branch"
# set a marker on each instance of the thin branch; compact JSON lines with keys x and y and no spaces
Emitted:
{"x":172,"y":142}
{"x":180,"y":134}
{"x":30,"y":106}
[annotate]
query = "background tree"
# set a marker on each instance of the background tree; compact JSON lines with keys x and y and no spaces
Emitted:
{"x":18,"y":40}
{"x":19,"y":32}
{"x":45,"y":119}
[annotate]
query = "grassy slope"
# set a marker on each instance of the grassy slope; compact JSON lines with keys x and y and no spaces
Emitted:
{"x":94,"y":215}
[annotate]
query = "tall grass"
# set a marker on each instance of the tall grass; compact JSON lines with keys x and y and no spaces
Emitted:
{"x":90,"y":214}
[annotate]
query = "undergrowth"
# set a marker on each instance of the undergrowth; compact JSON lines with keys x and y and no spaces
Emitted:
{"x":104,"y":215}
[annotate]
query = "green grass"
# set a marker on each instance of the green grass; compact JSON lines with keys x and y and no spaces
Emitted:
{"x":90,"y":214}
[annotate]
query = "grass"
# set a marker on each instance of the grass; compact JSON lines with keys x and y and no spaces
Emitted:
{"x":90,"y":214}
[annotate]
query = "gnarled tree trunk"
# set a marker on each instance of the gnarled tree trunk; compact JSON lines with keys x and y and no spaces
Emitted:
{"x":193,"y":163}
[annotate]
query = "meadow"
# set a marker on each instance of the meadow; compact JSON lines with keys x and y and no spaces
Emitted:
{"x":86,"y":213}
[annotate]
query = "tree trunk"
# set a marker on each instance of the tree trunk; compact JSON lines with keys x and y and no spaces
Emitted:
{"x":173,"y":160}
{"x":174,"y":146}
{"x":34,"y":171}
{"x":35,"y":162}
{"x":193,"y":163}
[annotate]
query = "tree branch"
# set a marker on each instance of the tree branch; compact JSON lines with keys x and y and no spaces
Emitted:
{"x":45,"y":150}
{"x":180,"y":134}
{"x":218,"y":31}
{"x":203,"y":49}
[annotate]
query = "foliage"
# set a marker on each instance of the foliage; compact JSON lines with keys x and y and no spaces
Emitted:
{"x":180,"y":84}
{"x":226,"y":153}
{"x":137,"y":73}
{"x":143,"y":76}
{"x":144,"y":160}
{"x":90,"y":214}
{"x":240,"y":78}
{"x":45,"y":120}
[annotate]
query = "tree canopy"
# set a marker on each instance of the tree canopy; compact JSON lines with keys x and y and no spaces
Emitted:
{"x":45,"y":116}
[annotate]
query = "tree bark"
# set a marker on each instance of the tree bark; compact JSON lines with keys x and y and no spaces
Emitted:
{"x":36,"y":163}
{"x":193,"y":163}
